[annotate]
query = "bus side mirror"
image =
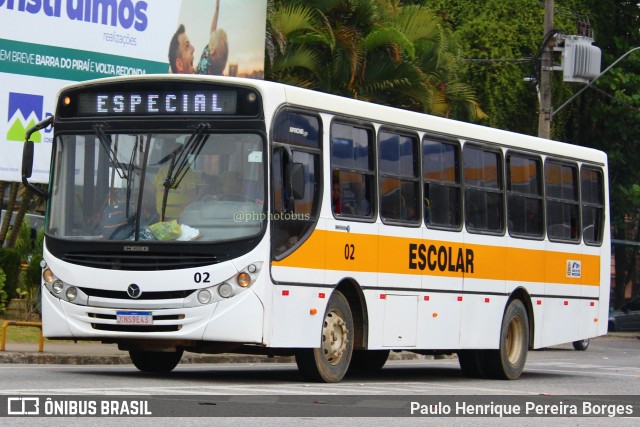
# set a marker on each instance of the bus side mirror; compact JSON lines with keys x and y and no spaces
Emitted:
{"x":27,"y":157}
{"x":27,"y":169}
{"x":297,"y":180}
{"x":27,"y":160}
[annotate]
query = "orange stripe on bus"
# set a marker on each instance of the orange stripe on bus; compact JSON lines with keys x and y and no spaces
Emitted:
{"x":342,"y":251}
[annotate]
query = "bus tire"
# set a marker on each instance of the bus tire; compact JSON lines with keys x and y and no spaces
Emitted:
{"x":472,"y":363}
{"x":155,"y":361}
{"x":507,"y":363}
{"x":330,"y":362}
{"x":368,"y":360}
{"x":581,"y":345}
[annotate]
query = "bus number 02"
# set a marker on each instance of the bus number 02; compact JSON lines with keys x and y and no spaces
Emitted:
{"x":349,"y":251}
{"x":201,"y":278}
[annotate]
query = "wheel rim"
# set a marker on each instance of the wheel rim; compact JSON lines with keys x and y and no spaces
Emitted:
{"x":515,"y":339}
{"x":335,"y":337}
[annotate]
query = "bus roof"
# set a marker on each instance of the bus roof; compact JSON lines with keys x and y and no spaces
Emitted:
{"x":380,"y":114}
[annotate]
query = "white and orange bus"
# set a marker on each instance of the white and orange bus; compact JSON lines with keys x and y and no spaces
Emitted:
{"x":211,"y":214}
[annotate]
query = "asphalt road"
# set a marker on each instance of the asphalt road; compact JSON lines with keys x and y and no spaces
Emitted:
{"x":609,"y":366}
{"x":609,"y":371}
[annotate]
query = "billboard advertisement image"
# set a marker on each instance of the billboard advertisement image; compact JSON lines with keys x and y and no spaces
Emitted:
{"x":46,"y":44}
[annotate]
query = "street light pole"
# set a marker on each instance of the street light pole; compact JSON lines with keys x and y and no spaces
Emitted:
{"x":544,"y":116}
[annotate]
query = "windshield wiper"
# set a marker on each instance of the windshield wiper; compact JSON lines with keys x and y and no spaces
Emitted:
{"x":105,"y":141}
{"x":179,"y":162}
{"x":131,"y":169}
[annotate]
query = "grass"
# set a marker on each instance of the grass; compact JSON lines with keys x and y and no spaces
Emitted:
{"x":16,"y":311}
{"x":21,"y":333}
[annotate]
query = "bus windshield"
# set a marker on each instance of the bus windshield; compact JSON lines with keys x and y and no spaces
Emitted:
{"x":202,"y":186}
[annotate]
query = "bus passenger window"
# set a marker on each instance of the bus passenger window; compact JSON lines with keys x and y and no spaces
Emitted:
{"x":353,"y":173}
{"x":524,"y":196}
{"x":561,"y":184}
{"x":484,"y":192}
{"x":399,"y":178}
{"x":592,"y":205}
{"x":441,"y":177}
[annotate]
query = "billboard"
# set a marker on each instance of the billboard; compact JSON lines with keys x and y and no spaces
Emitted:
{"x":46,"y":44}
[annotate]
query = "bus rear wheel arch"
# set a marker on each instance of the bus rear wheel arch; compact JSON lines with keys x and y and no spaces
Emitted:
{"x":330,"y":362}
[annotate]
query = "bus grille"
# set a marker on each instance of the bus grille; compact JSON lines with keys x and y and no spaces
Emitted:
{"x":147,"y":262}
{"x":102,"y":293}
{"x":136,"y":328}
{"x":112,"y":327}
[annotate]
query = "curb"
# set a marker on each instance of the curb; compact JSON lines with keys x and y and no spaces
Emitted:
{"x":36,"y":358}
{"x":30,"y":358}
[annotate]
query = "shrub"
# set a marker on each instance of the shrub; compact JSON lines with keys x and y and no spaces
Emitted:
{"x":10,"y":264}
{"x":3,"y":294}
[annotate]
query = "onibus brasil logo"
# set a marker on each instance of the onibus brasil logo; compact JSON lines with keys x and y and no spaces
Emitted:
{"x":25,"y":111}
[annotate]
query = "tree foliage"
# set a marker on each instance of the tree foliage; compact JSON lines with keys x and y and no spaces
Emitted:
{"x":604,"y":117}
{"x":373,"y":50}
{"x":3,"y":294}
{"x":607,"y":117}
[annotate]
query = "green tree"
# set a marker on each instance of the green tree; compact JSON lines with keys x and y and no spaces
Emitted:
{"x":25,"y":205}
{"x":6,"y":222}
{"x":501,"y":42}
{"x":3,"y":294}
{"x":374,"y":50}
{"x":607,"y":117}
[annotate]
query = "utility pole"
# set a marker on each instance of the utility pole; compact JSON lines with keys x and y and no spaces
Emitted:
{"x":544,"y":119}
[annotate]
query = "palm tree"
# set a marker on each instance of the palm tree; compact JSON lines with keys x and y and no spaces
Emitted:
{"x":294,"y":32}
{"x":26,"y":201}
{"x":374,"y":50}
{"x":13,"y":194}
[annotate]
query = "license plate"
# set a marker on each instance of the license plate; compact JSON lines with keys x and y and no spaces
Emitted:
{"x":134,"y":318}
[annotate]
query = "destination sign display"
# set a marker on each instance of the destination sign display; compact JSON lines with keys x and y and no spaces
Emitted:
{"x":157,"y":103}
{"x":151,"y":100}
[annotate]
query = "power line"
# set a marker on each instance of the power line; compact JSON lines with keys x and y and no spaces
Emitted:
{"x":616,"y":99}
{"x":526,"y":59}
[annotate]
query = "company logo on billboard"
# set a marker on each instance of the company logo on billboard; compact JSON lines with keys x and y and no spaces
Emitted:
{"x":25,"y":111}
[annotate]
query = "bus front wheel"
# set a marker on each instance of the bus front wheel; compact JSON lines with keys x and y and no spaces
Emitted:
{"x":330,"y":362}
{"x":508,"y":361}
{"x":155,"y":361}
{"x":581,"y":345}
{"x":368,"y":360}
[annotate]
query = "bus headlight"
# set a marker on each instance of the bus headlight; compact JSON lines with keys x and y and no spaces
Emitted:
{"x":204,"y":296}
{"x":225,"y":290}
{"x":62,"y":290}
{"x":57,"y":286}
{"x":72,"y":293}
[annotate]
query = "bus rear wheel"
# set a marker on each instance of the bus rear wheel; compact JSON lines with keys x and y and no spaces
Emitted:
{"x":508,"y":361}
{"x":155,"y":361}
{"x":330,"y":362}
